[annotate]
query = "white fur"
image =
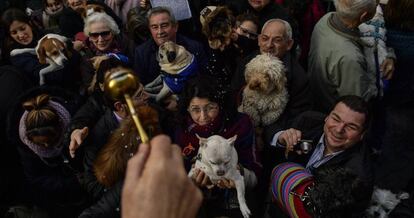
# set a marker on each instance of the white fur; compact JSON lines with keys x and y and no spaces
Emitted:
{"x":55,"y":63}
{"x":218,"y":159}
{"x":267,"y":102}
{"x":383,"y":202}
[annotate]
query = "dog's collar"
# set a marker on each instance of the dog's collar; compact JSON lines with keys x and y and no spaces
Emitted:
{"x":196,"y":158}
{"x":307,"y":201}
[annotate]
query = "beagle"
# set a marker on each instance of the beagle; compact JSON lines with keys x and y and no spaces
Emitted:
{"x":51,"y":49}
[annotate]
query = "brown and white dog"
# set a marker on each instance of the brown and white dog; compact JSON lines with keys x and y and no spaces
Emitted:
{"x":265,"y":95}
{"x":51,"y":49}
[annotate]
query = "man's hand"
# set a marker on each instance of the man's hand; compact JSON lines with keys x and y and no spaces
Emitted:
{"x":387,"y":68}
{"x":78,"y":45}
{"x":156,"y":184}
{"x":76,"y":139}
{"x":289,"y":138}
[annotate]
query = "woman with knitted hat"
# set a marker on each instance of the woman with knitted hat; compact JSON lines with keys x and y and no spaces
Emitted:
{"x":37,"y":127}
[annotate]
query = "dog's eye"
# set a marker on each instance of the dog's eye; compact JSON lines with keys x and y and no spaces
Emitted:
{"x":211,"y":162}
{"x":386,"y":210}
{"x":161,"y":56}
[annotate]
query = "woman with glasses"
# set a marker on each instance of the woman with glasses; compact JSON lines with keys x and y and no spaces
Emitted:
{"x":205,"y":113}
{"x":104,"y":35}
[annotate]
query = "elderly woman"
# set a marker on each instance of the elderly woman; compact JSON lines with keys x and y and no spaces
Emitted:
{"x":206,"y":113}
{"x":103,"y":35}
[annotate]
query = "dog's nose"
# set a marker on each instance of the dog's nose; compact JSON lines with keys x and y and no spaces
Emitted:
{"x":376,"y":214}
{"x":254,"y":85}
{"x":171,"y":56}
{"x":65,"y":61}
{"x":220,"y":172}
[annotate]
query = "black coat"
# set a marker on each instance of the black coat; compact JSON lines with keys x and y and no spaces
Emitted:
{"x":108,"y":206}
{"x":50,"y":182}
{"x":13,"y":84}
{"x":356,"y":158}
{"x":97,"y":138}
{"x":297,"y":86}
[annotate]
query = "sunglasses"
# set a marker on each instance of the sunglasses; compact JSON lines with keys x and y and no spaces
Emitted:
{"x":104,"y":35}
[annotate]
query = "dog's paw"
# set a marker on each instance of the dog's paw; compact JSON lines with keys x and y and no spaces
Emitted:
{"x":245,"y":211}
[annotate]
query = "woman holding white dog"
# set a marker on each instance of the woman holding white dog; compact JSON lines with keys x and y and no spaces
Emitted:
{"x":206,"y":113}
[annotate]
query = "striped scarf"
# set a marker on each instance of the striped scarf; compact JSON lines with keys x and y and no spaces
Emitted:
{"x":286,"y":179}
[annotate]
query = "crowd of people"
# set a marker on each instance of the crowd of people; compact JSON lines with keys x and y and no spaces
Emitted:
{"x":71,"y":149}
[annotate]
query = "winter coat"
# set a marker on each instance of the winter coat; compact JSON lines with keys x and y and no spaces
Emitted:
{"x":97,"y":138}
{"x":52,"y":182}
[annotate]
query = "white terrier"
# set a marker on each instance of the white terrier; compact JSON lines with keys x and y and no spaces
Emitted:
{"x":218,"y":159}
{"x":383,"y":202}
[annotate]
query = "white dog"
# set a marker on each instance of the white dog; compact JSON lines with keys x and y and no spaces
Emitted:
{"x":265,"y":95}
{"x":218,"y":159}
{"x":383,"y":202}
{"x":177,"y":65}
{"x":51,"y":49}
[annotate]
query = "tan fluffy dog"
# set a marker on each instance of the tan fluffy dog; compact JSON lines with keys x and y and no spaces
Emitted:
{"x":177,"y":65}
{"x":265,"y":95}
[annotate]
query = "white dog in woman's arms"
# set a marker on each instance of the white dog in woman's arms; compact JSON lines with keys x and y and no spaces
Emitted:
{"x":218,"y":159}
{"x":51,"y":49}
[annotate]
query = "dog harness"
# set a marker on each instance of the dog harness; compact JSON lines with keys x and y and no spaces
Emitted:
{"x":290,"y":181}
{"x":176,"y":82}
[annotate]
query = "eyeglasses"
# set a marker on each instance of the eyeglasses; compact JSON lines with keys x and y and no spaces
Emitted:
{"x":249,"y":34}
{"x":105,"y":35}
{"x":196,"y":110}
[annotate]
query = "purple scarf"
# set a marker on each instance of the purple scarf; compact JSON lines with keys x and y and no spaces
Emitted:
{"x":41,"y":151}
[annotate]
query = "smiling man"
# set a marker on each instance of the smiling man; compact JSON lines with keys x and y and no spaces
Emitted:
{"x":163,"y":27}
{"x":338,"y":142}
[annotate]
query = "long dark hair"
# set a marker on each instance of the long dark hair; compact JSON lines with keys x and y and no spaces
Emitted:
{"x":8,"y":17}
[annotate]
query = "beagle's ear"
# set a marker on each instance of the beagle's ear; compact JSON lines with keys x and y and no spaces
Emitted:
{"x":41,"y":54}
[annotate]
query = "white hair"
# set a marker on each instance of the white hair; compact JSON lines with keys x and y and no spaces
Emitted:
{"x":288,"y":28}
{"x":352,"y":9}
{"x":100,"y":17}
